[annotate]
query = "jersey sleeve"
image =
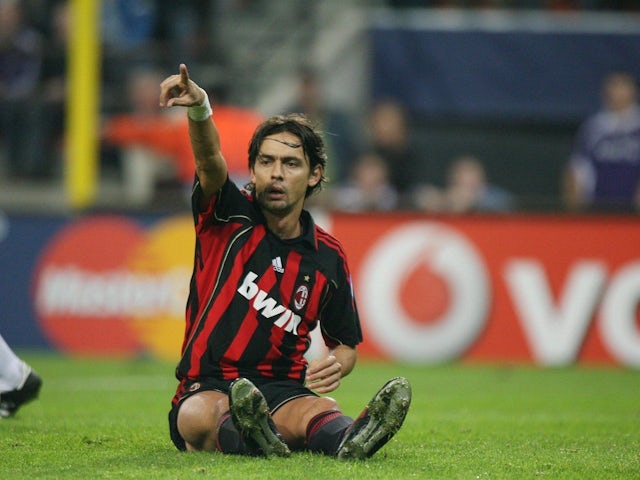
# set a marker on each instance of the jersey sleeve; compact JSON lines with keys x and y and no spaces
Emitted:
{"x":340,"y":322}
{"x":227,"y":204}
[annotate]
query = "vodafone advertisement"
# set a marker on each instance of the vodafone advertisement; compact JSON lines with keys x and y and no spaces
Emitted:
{"x":546,"y":290}
{"x":543,"y":290}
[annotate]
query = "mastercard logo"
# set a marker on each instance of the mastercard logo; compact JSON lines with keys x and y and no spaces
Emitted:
{"x":109,"y":286}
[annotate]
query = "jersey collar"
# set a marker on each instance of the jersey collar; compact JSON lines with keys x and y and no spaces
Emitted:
{"x":308,"y":230}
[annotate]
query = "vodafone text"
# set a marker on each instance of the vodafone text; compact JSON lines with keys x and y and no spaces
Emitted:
{"x":556,"y":331}
{"x":553,"y":326}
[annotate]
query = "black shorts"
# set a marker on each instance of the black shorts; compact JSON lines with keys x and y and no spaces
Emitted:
{"x":276,"y":392}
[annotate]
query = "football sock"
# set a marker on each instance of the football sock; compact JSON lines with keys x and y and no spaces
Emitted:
{"x":12,"y":369}
{"x":229,"y":439}
{"x":325,"y":431}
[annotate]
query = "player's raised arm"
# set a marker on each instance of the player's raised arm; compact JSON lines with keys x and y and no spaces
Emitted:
{"x":180,"y":90}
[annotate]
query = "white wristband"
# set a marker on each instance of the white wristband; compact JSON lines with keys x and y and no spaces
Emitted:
{"x":200,"y":112}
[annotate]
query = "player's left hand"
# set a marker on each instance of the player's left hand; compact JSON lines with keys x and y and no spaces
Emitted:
{"x":323,"y":376}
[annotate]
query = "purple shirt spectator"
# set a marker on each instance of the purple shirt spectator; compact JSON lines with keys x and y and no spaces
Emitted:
{"x":607,"y":156}
{"x":604,"y":169}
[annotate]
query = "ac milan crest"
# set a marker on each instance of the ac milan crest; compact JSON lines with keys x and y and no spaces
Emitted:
{"x":300,"y":298}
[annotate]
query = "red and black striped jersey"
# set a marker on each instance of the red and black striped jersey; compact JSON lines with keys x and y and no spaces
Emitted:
{"x":254,"y":298}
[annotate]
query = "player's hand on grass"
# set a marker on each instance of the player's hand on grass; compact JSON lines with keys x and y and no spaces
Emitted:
{"x":180,"y":90}
{"x":324,"y":375}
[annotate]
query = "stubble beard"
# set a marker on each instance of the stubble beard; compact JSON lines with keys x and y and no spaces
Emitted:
{"x":279,"y":208}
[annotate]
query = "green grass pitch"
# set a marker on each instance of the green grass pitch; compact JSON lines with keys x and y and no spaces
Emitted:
{"x":107,"y":419}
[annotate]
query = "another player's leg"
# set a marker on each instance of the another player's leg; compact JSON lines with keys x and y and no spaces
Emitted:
{"x":250,"y":415}
{"x":378,"y":422}
{"x":19,"y":384}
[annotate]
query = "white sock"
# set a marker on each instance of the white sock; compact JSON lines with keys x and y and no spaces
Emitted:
{"x":13,"y":371}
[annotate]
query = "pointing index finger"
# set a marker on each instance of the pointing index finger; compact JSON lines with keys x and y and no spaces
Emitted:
{"x":184,"y":74}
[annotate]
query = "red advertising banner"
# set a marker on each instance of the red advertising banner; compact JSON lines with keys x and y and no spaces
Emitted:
{"x":548,"y":290}
{"x":542,"y":289}
{"x":105,"y":285}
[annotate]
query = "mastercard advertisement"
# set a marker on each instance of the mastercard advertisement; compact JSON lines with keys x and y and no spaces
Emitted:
{"x":533,"y":289}
{"x":105,"y":285}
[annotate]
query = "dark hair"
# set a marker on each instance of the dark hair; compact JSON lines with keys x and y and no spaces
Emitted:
{"x":300,"y":126}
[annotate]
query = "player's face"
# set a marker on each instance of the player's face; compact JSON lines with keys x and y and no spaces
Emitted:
{"x":282,"y":173}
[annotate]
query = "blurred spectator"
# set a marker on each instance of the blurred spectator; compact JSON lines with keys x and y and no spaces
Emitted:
{"x":53,"y":83}
{"x":128,"y":25}
{"x":556,"y":5}
{"x":236,"y":126}
{"x":127,"y":29}
{"x":368,"y":189}
{"x":20,"y":65}
{"x":54,"y":62}
{"x":467,"y":190}
{"x":155,"y":34}
{"x":154,"y":143}
{"x":341,"y":137}
{"x":21,"y":50}
{"x":604,"y":168}
{"x":622,"y":5}
{"x":390,"y":138}
{"x":184,"y":32}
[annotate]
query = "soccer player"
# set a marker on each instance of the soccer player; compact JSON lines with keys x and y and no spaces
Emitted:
{"x":19,"y":384}
{"x":264,"y":276}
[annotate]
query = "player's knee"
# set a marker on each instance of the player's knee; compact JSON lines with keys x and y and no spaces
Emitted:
{"x":221,"y":407}
{"x":197,"y":422}
{"x":321,"y":405}
{"x":328,"y":403}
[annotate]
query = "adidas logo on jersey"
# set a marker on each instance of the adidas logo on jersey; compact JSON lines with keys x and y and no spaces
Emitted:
{"x":277,"y":265}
